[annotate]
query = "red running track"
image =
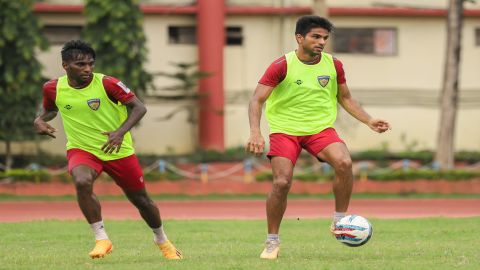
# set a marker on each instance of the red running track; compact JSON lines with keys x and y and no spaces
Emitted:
{"x":246,"y":209}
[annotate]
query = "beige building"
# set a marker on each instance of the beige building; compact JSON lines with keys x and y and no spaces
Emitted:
{"x":393,"y":54}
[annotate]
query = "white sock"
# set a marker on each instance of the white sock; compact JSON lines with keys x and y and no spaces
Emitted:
{"x":273,"y":237}
{"x":99,"y":230}
{"x":159,"y":235}
{"x":337,"y":216}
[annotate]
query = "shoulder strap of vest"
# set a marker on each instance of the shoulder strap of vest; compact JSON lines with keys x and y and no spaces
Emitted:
{"x":289,"y":55}
{"x":329,"y":56}
{"x":98,"y":75}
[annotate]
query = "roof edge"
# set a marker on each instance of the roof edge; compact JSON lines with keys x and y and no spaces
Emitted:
{"x":258,"y":10}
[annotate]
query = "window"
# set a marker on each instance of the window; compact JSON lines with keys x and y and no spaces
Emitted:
{"x":188,"y":35}
{"x":60,"y":34}
{"x":377,"y":41}
{"x":182,"y":35}
{"x":234,"y":35}
{"x":477,"y":37}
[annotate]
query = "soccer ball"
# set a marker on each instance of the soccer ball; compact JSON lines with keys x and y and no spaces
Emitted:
{"x":353,"y":230}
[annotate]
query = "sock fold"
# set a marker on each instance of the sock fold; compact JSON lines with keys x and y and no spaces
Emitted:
{"x":338,"y":215}
{"x":273,"y":237}
{"x":98,"y":229}
{"x":159,"y":235}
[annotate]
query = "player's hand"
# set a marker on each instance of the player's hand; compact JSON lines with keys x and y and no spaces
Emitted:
{"x":114,"y":142}
{"x":255,"y":144}
{"x":379,"y":125}
{"x":43,"y":128}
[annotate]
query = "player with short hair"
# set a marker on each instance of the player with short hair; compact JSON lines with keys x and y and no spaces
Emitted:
{"x":301,"y":90}
{"x":97,"y":125}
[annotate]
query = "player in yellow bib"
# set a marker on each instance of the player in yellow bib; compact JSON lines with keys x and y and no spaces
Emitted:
{"x":301,"y":90}
{"x":93,"y":108}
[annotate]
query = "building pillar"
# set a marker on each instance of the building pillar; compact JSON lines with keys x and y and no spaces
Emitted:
{"x":211,"y":39}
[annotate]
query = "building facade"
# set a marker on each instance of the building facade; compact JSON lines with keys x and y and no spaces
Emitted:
{"x":393,"y":54}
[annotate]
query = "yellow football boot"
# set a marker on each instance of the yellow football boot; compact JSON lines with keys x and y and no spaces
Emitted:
{"x":101,"y":249}
{"x":272,"y":248}
{"x":169,"y":251}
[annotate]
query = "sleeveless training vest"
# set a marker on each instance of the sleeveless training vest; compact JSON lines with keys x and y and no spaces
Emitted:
{"x":305,"y":102}
{"x":88,"y":112}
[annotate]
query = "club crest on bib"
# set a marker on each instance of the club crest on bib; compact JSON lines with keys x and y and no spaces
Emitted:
{"x":94,"y":103}
{"x":323,"y":80}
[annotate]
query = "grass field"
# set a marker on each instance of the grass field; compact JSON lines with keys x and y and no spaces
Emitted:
{"x":437,"y":243}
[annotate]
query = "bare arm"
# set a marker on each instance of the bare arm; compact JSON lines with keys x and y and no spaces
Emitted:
{"x":353,"y":108}
{"x":115,"y":138}
{"x":256,"y":143}
{"x":40,"y":123}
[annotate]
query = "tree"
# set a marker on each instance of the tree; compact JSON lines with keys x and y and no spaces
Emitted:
{"x":21,"y":79}
{"x":449,"y":98}
{"x":185,"y":89}
{"x":114,"y":28}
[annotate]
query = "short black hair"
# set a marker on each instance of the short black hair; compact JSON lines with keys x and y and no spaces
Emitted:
{"x":306,"y":23}
{"x":76,"y":47}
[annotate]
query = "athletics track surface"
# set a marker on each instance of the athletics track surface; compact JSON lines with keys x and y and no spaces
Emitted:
{"x":245,"y":209}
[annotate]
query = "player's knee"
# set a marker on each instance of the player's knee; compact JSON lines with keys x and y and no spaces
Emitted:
{"x":83,"y":183}
{"x":344,"y":164}
{"x":282,"y":184}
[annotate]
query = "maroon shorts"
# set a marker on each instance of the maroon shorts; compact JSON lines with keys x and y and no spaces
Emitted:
{"x":289,"y":146}
{"x":126,"y":172}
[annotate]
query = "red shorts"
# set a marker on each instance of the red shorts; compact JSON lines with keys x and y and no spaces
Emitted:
{"x":289,"y":146}
{"x":126,"y":172}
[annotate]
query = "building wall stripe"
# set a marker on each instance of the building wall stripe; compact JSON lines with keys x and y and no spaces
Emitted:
{"x":235,"y":10}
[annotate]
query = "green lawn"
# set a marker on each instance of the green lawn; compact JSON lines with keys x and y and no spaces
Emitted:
{"x":434,"y":243}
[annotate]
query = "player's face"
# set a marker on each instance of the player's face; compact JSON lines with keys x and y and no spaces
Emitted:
{"x":314,"y":41}
{"x":80,"y":70}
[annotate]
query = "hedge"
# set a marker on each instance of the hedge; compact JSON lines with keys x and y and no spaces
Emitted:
{"x":41,"y":176}
{"x":386,"y":175}
{"x":37,"y":176}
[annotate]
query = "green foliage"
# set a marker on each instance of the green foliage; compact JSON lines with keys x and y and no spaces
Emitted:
{"x":410,"y":175}
{"x":264,"y":177}
{"x":114,"y":28}
{"x":65,"y":178}
{"x":234,"y":154}
{"x":384,"y":175}
{"x":148,"y":159}
{"x":314,"y":177}
{"x":238,"y":154}
{"x":371,"y":155}
{"x":42,"y":158}
{"x":424,"y":156}
{"x":36,"y":176}
{"x":41,"y":176}
{"x":304,"y":177}
{"x":186,"y":78}
{"x":19,"y":175}
{"x":468,"y":156}
{"x":158,"y":176}
{"x":46,"y":159}
{"x":21,"y":79}
{"x":231,"y":154}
